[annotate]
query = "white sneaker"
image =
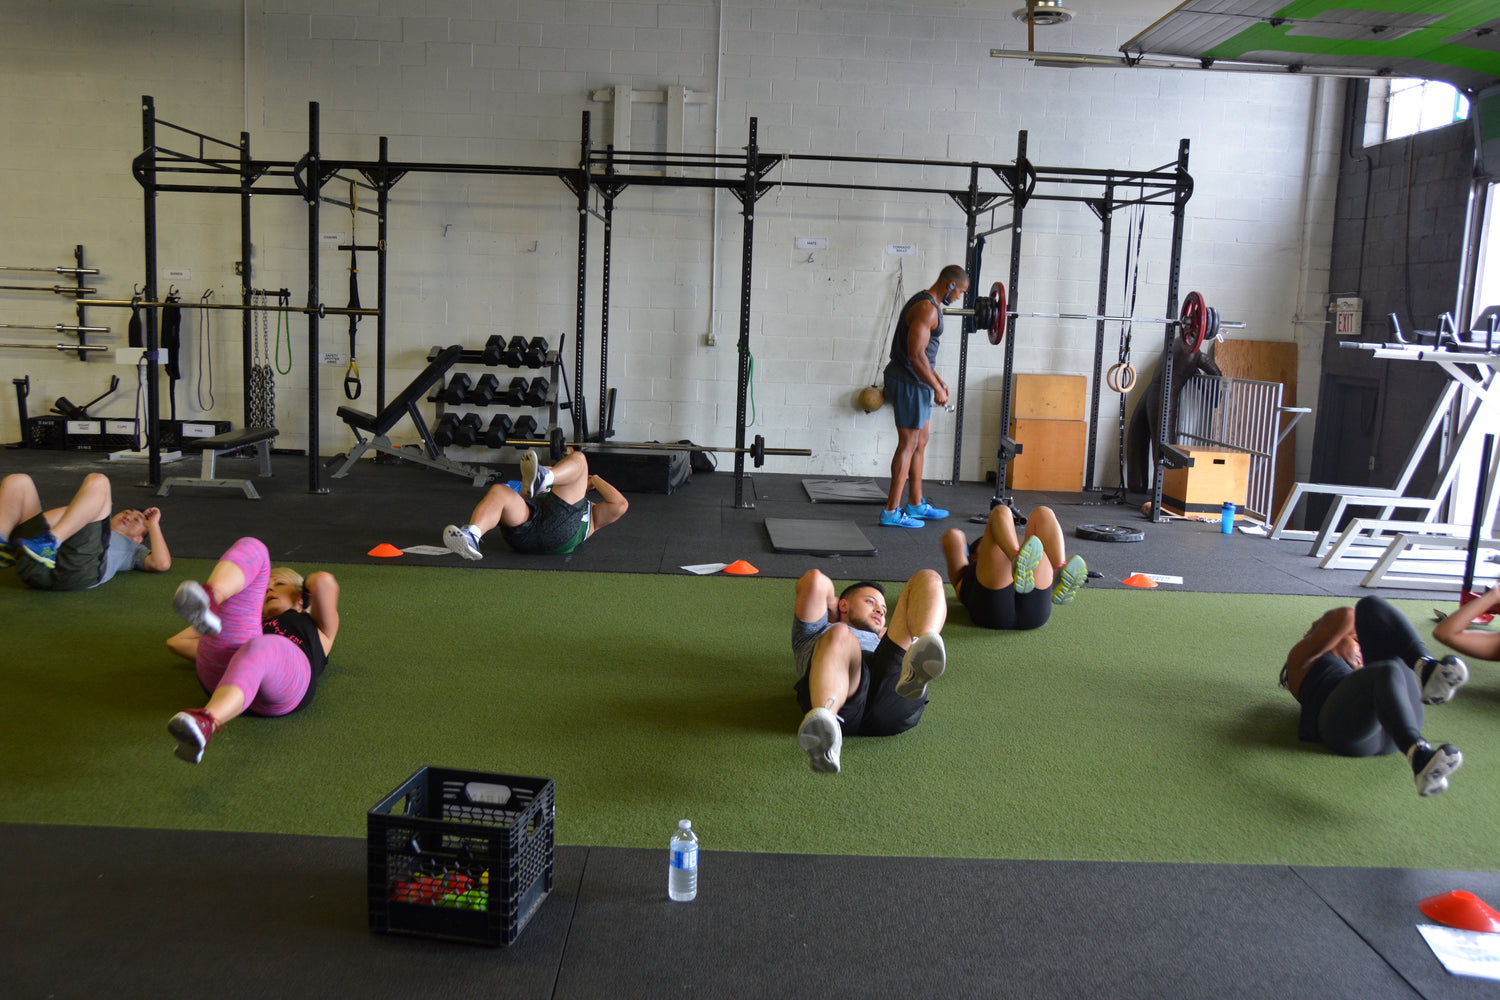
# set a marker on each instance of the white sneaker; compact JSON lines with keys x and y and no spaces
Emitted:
{"x":1431,"y":766}
{"x":821,"y":738}
{"x":924,"y":661}
{"x":464,"y":541}
{"x":191,"y":604}
{"x":1441,"y":678}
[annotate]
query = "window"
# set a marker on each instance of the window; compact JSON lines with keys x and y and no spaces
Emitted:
{"x":1400,"y":108}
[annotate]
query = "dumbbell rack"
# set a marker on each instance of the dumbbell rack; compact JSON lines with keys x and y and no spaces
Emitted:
{"x":463,"y":391}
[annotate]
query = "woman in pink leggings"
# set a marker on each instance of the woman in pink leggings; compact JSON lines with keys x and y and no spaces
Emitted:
{"x":259,"y":637}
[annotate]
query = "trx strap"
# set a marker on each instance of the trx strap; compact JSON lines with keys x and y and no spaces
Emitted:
{"x":351,"y":376}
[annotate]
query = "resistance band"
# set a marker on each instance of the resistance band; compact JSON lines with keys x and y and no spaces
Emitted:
{"x":205,"y":351}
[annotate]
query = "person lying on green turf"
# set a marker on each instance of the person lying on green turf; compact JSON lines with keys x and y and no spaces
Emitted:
{"x":1005,"y":582}
{"x":259,"y":637}
{"x":550,"y":514}
{"x":1362,"y":676}
{"x":856,"y":676}
{"x":1454,"y":631}
{"x":80,"y":546}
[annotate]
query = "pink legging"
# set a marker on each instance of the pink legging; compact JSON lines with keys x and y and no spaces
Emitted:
{"x":271,"y":670}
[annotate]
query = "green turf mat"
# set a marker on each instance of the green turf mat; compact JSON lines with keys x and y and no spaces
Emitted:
{"x":1134,"y":726}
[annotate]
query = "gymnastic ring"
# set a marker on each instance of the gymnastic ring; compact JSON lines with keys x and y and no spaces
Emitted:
{"x":1120,"y":377}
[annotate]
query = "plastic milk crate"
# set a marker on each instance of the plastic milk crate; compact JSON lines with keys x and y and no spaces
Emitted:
{"x":463,"y":855}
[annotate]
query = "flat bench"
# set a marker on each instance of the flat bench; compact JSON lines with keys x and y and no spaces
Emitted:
{"x":220,"y":444}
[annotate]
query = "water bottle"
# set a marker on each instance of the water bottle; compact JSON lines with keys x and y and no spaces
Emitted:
{"x":1226,"y":519}
{"x":682,"y":876}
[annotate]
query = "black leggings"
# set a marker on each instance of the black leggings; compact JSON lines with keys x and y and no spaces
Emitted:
{"x":1378,"y":708}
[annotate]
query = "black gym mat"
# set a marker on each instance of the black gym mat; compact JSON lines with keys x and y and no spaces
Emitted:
{"x":844,"y":491}
{"x":813,"y":537}
{"x":109,"y":911}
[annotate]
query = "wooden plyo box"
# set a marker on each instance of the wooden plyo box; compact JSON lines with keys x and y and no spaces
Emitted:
{"x":1217,"y":475}
{"x":1047,"y":419}
{"x":1052,"y":453}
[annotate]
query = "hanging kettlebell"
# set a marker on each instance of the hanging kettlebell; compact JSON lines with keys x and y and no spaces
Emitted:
{"x":870,"y":398}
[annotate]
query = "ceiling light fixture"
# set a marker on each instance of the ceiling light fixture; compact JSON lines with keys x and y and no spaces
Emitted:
{"x":1043,"y":12}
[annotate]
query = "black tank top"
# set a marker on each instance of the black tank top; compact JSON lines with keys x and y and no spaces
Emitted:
{"x":900,"y":367}
{"x":299,"y":627}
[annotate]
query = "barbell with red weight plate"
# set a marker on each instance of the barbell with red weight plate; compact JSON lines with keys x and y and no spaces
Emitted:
{"x":1199,"y":321}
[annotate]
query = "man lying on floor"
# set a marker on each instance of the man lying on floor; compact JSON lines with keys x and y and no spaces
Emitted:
{"x":80,"y":546}
{"x":855,"y":675}
{"x":550,"y":515}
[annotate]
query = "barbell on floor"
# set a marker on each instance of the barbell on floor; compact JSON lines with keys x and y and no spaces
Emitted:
{"x":557,"y":445}
{"x":1198,"y":322}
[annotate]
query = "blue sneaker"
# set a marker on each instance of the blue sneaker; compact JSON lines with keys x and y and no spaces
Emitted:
{"x":1027,"y":560}
{"x":7,"y":554}
{"x":1070,"y":581}
{"x":899,"y":519}
{"x":925,"y":511}
{"x":42,"y":548}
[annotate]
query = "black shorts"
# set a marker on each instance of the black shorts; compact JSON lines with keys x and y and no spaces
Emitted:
{"x":1003,"y":608}
{"x":80,"y":559}
{"x":874,"y":709}
{"x":555,"y":526}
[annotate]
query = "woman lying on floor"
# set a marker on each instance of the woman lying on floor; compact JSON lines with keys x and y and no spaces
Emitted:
{"x":1362,"y":676}
{"x":259,"y":637}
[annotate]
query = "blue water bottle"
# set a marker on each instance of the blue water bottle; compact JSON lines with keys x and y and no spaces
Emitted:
{"x":1226,"y":519}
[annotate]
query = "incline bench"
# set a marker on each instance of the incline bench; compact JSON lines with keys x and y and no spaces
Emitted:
{"x":378,"y":425}
{"x":212,"y":447}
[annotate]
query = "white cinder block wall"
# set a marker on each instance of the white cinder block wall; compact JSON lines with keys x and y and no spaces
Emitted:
{"x":506,"y":81}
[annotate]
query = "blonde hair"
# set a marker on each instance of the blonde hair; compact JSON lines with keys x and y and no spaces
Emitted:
{"x":285,"y":574}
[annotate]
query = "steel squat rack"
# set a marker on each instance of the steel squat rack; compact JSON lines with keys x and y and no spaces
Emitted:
{"x":220,"y":167}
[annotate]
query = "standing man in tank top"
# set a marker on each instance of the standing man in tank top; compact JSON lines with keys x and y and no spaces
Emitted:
{"x":912,"y":386}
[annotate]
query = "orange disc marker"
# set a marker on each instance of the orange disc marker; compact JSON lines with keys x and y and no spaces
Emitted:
{"x":1461,"y":909}
{"x":1139,"y":580}
{"x":741,"y":568}
{"x":385,"y":550}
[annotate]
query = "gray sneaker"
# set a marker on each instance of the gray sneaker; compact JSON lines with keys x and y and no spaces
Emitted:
{"x":531,"y":474}
{"x":821,"y":738}
{"x":191,"y":604}
{"x":464,"y":541}
{"x":924,"y":661}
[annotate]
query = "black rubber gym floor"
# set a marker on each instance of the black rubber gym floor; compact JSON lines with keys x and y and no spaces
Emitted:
{"x":96,"y":911}
{"x":405,"y":505}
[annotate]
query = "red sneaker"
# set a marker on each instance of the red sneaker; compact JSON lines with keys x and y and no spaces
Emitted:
{"x":192,"y":729}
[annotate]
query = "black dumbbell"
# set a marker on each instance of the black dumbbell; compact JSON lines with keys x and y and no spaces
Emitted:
{"x":516,"y":394}
{"x":486,"y":390}
{"x":525,"y":428}
{"x":536,"y":352}
{"x":457,"y":389}
{"x":443,"y":433}
{"x":537,"y":394}
{"x":499,"y":431}
{"x":468,"y":430}
{"x":494,"y":350}
{"x":515,"y":352}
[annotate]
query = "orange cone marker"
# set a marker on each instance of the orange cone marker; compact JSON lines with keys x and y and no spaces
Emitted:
{"x":741,"y":568}
{"x":385,"y":550}
{"x":1139,"y":580}
{"x":1461,"y":909}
